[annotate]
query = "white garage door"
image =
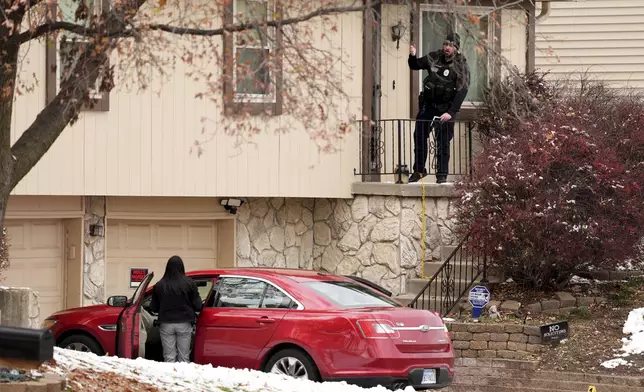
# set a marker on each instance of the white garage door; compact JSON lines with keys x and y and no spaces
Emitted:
{"x":149,"y":244}
{"x":36,"y":255}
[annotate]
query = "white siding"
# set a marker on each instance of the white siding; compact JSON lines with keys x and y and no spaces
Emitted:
{"x":141,"y":146}
{"x":601,"y":37}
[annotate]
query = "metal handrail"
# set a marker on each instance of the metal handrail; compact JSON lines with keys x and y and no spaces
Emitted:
{"x":450,"y":294}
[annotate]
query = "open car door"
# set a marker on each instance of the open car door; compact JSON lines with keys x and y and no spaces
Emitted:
{"x":129,"y":323}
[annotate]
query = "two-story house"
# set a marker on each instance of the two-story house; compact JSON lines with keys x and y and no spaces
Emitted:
{"x":119,"y":190}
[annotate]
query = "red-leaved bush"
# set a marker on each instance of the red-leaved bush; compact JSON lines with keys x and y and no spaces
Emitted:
{"x":559,"y":192}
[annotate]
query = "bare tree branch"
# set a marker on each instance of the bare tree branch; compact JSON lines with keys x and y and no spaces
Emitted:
{"x":122,"y":31}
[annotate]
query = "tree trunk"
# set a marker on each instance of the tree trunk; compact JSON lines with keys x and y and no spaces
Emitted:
{"x":9,"y":61}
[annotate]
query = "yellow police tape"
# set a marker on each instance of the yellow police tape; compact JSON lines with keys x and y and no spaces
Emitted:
{"x":422,"y":230}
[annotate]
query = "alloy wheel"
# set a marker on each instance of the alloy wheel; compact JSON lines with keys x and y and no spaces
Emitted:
{"x":290,"y":366}
{"x":76,"y":346}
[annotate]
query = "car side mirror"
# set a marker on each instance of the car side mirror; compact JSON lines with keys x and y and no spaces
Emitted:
{"x":117,"y":301}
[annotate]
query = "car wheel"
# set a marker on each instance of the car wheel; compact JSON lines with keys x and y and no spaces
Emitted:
{"x":294,"y":363}
{"x":81,"y":343}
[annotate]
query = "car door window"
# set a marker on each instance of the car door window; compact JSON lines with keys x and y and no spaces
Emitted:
{"x":234,"y":292}
{"x":203,"y":286}
{"x":275,"y":298}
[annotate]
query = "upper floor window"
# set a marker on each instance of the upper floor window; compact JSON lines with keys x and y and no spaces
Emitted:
{"x":63,"y":54}
{"x":475,"y":28}
{"x":253,"y":63}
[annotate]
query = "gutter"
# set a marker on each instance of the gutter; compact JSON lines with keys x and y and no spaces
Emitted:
{"x":545,"y":11}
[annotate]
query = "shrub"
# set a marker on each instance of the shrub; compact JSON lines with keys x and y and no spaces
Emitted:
{"x":558,"y":192}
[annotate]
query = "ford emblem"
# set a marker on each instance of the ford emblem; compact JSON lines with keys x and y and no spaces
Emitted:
{"x":424,"y":328}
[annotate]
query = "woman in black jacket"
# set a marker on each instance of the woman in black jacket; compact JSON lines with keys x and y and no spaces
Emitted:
{"x":176,"y":299}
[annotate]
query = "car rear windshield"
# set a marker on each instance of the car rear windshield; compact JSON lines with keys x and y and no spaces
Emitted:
{"x":351,"y":295}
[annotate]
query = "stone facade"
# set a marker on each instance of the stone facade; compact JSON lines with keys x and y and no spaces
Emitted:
{"x":19,"y":307}
{"x":94,"y":263}
{"x":509,"y":341}
{"x":376,"y":237}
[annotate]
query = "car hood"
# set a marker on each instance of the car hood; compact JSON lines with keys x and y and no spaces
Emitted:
{"x":91,"y":311}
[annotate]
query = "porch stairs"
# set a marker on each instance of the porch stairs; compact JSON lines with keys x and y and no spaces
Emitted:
{"x":447,"y":282}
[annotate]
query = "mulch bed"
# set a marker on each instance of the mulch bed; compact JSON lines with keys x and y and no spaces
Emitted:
{"x":94,"y":381}
{"x":595,"y":333}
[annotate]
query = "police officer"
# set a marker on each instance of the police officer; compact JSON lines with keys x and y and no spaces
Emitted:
{"x":444,"y":90}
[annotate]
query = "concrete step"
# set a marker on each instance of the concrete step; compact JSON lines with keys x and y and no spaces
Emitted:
{"x":494,"y":388}
{"x":426,"y":303}
{"x":458,"y":270}
{"x":588,"y":378}
{"x":534,"y":381}
{"x":417,"y":285}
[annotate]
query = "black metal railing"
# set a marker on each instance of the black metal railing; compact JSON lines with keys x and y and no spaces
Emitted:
{"x":452,"y":280}
{"x":390,"y":147}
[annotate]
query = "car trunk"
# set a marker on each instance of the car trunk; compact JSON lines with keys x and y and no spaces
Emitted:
{"x":412,"y":330}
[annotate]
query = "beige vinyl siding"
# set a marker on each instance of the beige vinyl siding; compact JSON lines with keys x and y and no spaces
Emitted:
{"x":603,"y":38}
{"x":141,"y":146}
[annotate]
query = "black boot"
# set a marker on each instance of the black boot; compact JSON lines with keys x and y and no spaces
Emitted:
{"x":416,"y":176}
{"x":441,"y":179}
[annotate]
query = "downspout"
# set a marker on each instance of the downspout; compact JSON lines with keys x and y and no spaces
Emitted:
{"x":545,"y":11}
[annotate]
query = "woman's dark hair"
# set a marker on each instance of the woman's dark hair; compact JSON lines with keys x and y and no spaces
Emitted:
{"x":174,"y":280}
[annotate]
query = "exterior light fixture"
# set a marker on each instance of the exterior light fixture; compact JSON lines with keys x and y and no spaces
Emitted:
{"x":397,"y":32}
{"x":231,"y":205}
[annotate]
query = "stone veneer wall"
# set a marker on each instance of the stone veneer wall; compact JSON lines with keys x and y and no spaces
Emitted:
{"x":377,"y":237}
{"x":94,"y":262}
{"x":509,"y":341}
{"x":19,"y":307}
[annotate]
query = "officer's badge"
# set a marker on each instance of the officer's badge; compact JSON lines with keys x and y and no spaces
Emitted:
{"x":446,"y":72}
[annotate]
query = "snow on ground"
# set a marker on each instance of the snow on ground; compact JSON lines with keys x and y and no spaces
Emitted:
{"x":634,"y":345}
{"x":192,"y":377}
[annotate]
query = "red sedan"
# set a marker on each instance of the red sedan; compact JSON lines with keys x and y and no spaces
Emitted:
{"x":306,"y":324}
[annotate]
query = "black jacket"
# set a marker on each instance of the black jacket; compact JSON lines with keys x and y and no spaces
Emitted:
{"x":459,"y":75}
{"x":175,"y":308}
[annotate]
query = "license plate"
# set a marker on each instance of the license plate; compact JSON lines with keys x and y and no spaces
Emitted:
{"x":429,"y":376}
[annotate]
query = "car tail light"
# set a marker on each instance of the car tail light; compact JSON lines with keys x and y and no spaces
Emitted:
{"x":377,"y":329}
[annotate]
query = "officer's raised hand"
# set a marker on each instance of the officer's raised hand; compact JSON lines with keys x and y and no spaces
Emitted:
{"x":412,"y":50}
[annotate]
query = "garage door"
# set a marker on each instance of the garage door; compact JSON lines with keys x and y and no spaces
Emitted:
{"x":149,"y":244}
{"x":36,"y":255}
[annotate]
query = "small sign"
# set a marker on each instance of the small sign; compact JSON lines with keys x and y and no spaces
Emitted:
{"x":592,"y":388}
{"x":554,"y":333}
{"x":479,"y":297}
{"x":136,"y":276}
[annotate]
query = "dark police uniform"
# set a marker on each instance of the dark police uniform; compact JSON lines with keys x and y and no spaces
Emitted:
{"x":444,"y":90}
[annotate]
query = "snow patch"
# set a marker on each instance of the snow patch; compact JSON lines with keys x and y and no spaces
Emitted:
{"x":192,"y":377}
{"x":634,"y":345}
{"x":579,"y":280}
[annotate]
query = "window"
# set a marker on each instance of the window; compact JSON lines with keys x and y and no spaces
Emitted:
{"x":203,"y":286}
{"x":475,"y":31}
{"x":239,"y":292}
{"x":351,"y":295}
{"x":63,"y":55}
{"x":276,"y":299}
{"x":252,"y":59}
{"x":252,"y":52}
